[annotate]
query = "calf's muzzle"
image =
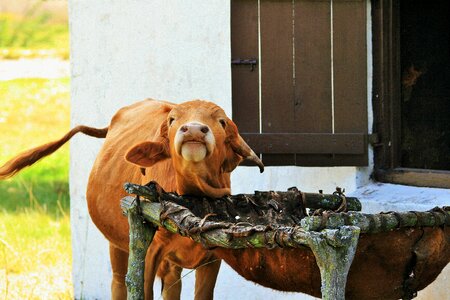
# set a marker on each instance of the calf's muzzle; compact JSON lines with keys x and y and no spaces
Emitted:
{"x":194,"y":141}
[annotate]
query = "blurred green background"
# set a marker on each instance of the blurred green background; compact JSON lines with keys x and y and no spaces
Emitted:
{"x":35,"y":248}
{"x":34,"y":28}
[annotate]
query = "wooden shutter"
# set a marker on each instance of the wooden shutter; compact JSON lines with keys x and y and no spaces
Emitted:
{"x":304,"y":101}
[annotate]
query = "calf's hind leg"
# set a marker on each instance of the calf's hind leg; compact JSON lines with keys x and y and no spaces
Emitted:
{"x":170,"y":275}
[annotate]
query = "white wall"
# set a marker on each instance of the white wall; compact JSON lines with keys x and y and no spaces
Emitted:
{"x":122,"y":52}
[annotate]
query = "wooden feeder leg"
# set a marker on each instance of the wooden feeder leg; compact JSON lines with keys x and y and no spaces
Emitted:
{"x":141,"y":235}
{"x":334,"y":250}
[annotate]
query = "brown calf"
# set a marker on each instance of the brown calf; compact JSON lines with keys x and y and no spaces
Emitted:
{"x":190,"y":148}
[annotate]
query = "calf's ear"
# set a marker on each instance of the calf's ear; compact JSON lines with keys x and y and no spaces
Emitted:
{"x":147,"y":154}
{"x":231,"y":161}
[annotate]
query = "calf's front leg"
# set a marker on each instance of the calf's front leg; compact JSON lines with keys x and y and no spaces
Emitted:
{"x":170,"y":275}
{"x":119,"y":265}
{"x":205,"y":279}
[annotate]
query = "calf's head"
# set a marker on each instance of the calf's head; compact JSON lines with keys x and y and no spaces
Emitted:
{"x":203,"y":144}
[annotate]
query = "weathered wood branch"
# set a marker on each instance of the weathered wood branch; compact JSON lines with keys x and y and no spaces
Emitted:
{"x":310,"y":200}
{"x":241,"y":220}
{"x":334,"y":262}
{"x":382,"y":222}
{"x":141,"y":235}
{"x":334,"y":248}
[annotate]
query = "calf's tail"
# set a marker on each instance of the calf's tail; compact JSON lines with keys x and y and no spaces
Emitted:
{"x":31,"y":156}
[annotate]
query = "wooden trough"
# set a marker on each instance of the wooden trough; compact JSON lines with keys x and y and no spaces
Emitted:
{"x":271,"y":239}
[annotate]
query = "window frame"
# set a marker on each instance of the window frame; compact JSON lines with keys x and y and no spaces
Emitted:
{"x":386,"y":97}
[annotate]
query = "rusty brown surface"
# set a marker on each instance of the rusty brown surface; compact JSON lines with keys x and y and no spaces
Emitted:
{"x":381,"y":268}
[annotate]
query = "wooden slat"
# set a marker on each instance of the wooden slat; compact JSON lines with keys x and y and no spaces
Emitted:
{"x":394,"y":84}
{"x":415,"y":177}
{"x":277,"y":93}
{"x":380,"y":126}
{"x":306,"y":143}
{"x":386,"y":79}
{"x":245,"y":83}
{"x":331,"y":160}
{"x":336,"y":1}
{"x":313,"y":72}
{"x":277,"y":67}
{"x":350,"y":66}
{"x":312,"y":67}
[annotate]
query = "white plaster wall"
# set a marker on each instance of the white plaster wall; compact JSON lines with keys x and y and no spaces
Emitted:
{"x":122,"y":52}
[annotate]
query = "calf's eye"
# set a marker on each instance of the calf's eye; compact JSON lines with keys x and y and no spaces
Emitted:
{"x":171,"y":121}
{"x":223,"y":123}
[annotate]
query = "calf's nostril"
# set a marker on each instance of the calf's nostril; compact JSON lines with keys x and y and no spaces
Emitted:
{"x":194,"y":128}
{"x":204,"y":129}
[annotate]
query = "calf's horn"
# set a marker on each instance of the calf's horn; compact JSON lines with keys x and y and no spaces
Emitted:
{"x":246,"y":152}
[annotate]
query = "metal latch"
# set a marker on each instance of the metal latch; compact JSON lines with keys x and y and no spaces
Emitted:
{"x":247,"y":61}
{"x":374,"y":140}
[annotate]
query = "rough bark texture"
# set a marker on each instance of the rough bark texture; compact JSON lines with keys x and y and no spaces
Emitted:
{"x":263,"y":211}
{"x":397,"y":253}
{"x":141,"y":235}
{"x":382,"y":222}
{"x":334,"y":260}
{"x":179,"y":219}
{"x":294,"y":200}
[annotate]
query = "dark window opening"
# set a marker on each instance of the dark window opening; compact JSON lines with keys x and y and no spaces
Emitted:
{"x":411,"y":92}
{"x":425,"y":84}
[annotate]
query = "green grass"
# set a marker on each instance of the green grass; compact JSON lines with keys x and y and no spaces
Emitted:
{"x":35,"y":250}
{"x":35,"y":256}
{"x":34,"y":112}
{"x":34,"y":34}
